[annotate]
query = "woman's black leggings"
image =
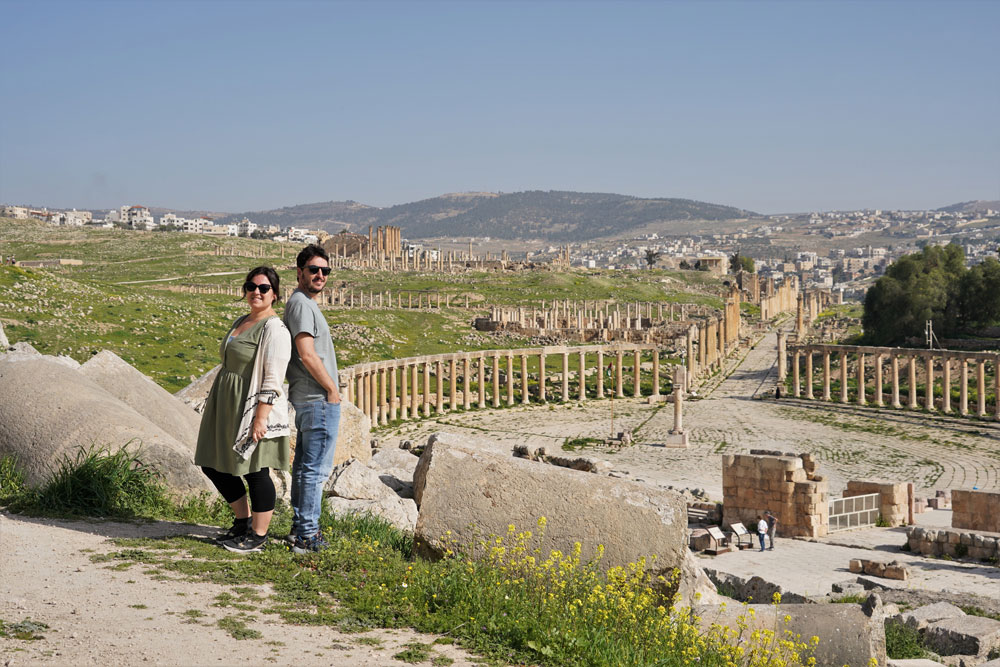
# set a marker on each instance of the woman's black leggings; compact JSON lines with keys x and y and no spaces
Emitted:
{"x":231,"y":487}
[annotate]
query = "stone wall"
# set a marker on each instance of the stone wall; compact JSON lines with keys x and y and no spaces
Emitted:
{"x":894,"y":498}
{"x":954,"y":542}
{"x":785,"y":484}
{"x":976,"y":510}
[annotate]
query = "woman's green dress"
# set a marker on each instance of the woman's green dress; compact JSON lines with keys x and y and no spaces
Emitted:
{"x":224,"y":407}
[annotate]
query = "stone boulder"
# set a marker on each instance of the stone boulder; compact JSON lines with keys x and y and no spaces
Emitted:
{"x":359,"y":482}
{"x":400,"y":512}
{"x":196,"y":393}
{"x":849,"y":634}
{"x":355,"y":434}
{"x":921,"y":617}
{"x":963,"y":635}
{"x":4,"y":343}
{"x":121,"y":380}
{"x":473,"y":492}
{"x":49,"y":411}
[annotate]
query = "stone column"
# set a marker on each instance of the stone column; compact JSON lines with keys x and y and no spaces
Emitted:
{"x":524,"y":379}
{"x":496,"y":380}
{"x":981,"y":387}
{"x":809,"y":373}
{"x":359,"y":391}
{"x":782,"y":363}
{"x":583,"y":375}
{"x":796,"y":381}
{"x":679,"y":382}
{"x":383,"y":412}
{"x":963,"y":389}
{"x":945,"y":384}
{"x":636,"y":364}
{"x":689,"y":348}
{"x":466,"y":383}
{"x":404,"y":394}
{"x":895,"y":382}
{"x":510,"y":379}
{"x":929,"y":386}
{"x":427,"y":389}
{"x":878,"y":379}
{"x":826,"y":375}
{"x":862,"y":399}
{"x":656,"y":373}
{"x":374,"y":397}
{"x":453,"y":384}
{"x":843,"y":377}
{"x":415,"y":392}
{"x":618,"y":374}
{"x":439,"y":371}
{"x":392,"y":394}
{"x":565,"y":376}
{"x":600,"y":373}
{"x":541,"y":378}
{"x":482,"y":381}
{"x":911,"y":368}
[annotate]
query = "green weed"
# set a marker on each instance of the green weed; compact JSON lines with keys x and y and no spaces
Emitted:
{"x":27,"y":630}
{"x":903,"y":642}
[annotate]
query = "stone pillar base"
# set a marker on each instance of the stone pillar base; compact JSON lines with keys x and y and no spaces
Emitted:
{"x":675,"y":441}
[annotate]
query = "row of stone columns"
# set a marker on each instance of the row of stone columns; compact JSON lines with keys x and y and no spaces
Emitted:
{"x":402,"y":389}
{"x":935,"y":364}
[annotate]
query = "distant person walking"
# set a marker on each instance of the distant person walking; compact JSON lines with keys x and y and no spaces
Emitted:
{"x":772,"y":527}
{"x":244,"y":429}
{"x":761,"y":530}
{"x":314,"y":393}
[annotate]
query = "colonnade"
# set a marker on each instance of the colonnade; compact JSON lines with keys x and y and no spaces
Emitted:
{"x":415,"y":386}
{"x":872,"y":368}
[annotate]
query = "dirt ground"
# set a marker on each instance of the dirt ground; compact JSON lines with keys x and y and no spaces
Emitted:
{"x":97,"y":615}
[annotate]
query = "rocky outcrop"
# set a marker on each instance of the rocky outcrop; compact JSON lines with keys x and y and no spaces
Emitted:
{"x":49,"y":410}
{"x":121,"y":380}
{"x":849,"y":634}
{"x":468,"y":492}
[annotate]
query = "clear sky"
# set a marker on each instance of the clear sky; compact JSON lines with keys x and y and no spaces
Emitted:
{"x":236,"y":106}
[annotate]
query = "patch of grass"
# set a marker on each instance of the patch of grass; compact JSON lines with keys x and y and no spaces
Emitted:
{"x":903,"y":642}
{"x":978,"y":611}
{"x":441,"y":661}
{"x":237,"y":628}
{"x":26,"y":630}
{"x":853,"y":598}
{"x":414,"y":653}
{"x":138,"y":606}
{"x":576,"y":444}
{"x":369,"y":641}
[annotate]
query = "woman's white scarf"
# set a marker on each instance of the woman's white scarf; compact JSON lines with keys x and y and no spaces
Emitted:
{"x":273,"y":352}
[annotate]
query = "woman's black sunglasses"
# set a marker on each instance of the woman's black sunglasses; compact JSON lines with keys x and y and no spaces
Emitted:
{"x":250,"y":287}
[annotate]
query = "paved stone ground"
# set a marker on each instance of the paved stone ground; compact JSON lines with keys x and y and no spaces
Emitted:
{"x":850,"y":443}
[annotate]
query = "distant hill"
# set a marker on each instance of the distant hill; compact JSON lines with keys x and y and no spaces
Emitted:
{"x":552,"y":215}
{"x":971,"y":206}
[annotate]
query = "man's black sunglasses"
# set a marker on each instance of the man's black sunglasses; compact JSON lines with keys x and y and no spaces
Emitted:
{"x":250,"y":287}
{"x":313,"y":269}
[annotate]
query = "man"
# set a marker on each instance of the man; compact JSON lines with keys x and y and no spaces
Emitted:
{"x":772,"y":527}
{"x":314,"y":393}
{"x":761,"y":530}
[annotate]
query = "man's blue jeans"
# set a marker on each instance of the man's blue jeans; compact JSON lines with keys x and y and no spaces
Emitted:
{"x":317,"y":423}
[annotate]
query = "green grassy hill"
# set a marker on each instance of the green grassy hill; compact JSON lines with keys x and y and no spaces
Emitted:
{"x":123,"y":298}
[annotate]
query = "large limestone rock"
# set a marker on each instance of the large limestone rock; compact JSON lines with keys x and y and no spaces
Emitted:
{"x":354,"y":439}
{"x":849,"y":634}
{"x":400,"y":512}
{"x":196,"y":393}
{"x":121,"y":380}
{"x":473,"y":492}
{"x":963,"y":635}
{"x":359,"y":482}
{"x":4,"y":343}
{"x":921,"y":617}
{"x":49,"y":410}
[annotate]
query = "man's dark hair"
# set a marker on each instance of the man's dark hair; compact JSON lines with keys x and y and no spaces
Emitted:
{"x":310,"y":251}
{"x":272,"y":277}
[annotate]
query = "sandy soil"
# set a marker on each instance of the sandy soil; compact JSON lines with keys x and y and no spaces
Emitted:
{"x":101,"y":616}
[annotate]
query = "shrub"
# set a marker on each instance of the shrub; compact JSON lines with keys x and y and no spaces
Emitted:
{"x":903,"y":642}
{"x":11,"y":480}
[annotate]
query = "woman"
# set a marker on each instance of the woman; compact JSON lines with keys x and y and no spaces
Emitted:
{"x":244,"y":429}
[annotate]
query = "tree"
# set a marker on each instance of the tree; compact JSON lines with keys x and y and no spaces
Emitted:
{"x":651,"y":258}
{"x":916,"y":288}
{"x":740,"y":262}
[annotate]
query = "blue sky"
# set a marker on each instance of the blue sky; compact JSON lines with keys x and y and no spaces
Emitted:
{"x":236,"y":106}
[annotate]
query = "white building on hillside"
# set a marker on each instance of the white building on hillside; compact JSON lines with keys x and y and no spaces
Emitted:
{"x":137,"y":217}
{"x":245,"y":228}
{"x":17,"y":212}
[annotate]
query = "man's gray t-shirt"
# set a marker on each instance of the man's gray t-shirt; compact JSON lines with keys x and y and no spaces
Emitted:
{"x":302,"y":315}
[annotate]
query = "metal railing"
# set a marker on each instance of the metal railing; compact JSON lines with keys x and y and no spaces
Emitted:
{"x":854,"y":512}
